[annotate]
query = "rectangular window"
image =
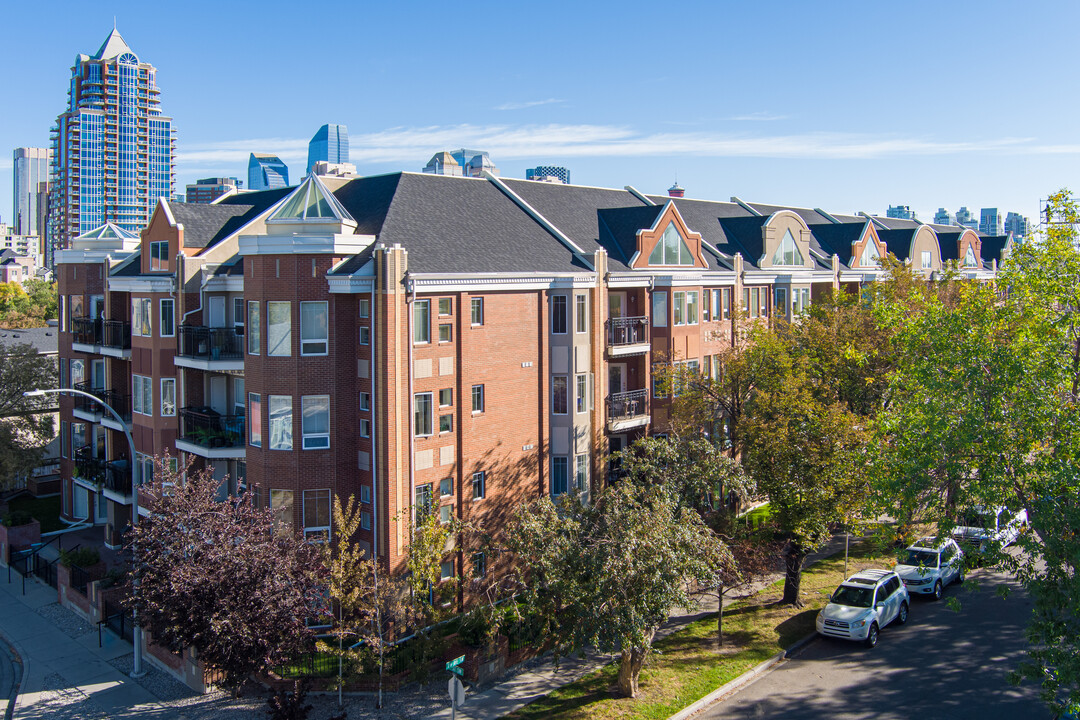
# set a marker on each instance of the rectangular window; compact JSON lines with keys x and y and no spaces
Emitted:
{"x":365,"y":428}
{"x":444,"y":514}
{"x":478,"y":485}
{"x":660,"y":381}
{"x":317,"y":512}
{"x":65,"y":378}
{"x":446,"y":332}
{"x":691,"y":307}
{"x":446,"y":423}
{"x":755,"y":302}
{"x":365,"y":520}
{"x":159,"y":256}
{"x":678,"y":302}
{"x":581,"y":473}
{"x":479,"y":565}
{"x":253,"y":327}
{"x":559,"y":404}
{"x":558,"y":314}
{"x":423,"y":500}
{"x":926,"y":260}
{"x":446,"y":487}
{"x":364,"y":307}
{"x":315,"y":421}
{"x":421,"y":321}
{"x":280,"y":407}
{"x":763,"y":302}
{"x":238,"y":315}
{"x":279,"y":329}
{"x":78,"y":437}
{"x":581,"y":313}
{"x":78,"y":372}
{"x":800,"y":300}
{"x":168,"y":397}
{"x":478,"y":398}
{"x":582,"y":395}
{"x":167,"y":328}
{"x":659,"y":309}
{"x":725,"y":303}
{"x":142,"y":395}
{"x":446,"y":397}
{"x":365,"y":402}
{"x":558,"y":475}
{"x":65,"y":440}
{"x":281,"y":502}
{"x":445,"y":305}
{"x":476,"y":311}
{"x":446,"y":570}
{"x":255,"y":419}
{"x":365,"y":335}
{"x":422,"y":414}
{"x":314,"y":329}
{"x":780,"y":300}
{"x":140,"y":317}
{"x":365,"y":494}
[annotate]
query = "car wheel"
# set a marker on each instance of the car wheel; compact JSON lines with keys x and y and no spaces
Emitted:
{"x":937,"y":590}
{"x":901,"y":616}
{"x":871,"y":636}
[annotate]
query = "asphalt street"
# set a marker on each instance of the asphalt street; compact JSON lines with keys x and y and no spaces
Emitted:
{"x":944,"y":664}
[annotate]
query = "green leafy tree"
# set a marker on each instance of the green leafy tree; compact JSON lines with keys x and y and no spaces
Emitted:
{"x":805,"y":453}
{"x":24,"y":429}
{"x":43,"y":297}
{"x":605,"y":575}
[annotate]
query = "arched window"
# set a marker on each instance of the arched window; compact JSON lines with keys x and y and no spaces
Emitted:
{"x":671,"y":250}
{"x":969,"y":257}
{"x":870,"y":255}
{"x":788,"y":252}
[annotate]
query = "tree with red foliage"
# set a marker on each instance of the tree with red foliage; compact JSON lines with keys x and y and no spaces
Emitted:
{"x":222,"y":576}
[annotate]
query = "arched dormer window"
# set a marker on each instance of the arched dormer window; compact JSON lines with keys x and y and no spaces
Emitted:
{"x":671,"y":250}
{"x":788,"y":252}
{"x":870,"y":255}
{"x":969,"y":257}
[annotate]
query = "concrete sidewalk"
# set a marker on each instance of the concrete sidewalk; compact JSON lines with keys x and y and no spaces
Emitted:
{"x":509,"y":695}
{"x":65,"y":677}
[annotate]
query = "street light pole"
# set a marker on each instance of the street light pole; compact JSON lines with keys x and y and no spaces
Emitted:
{"x":138,"y":670}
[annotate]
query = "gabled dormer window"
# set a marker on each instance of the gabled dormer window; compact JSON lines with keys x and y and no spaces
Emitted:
{"x":671,"y":250}
{"x":969,"y":258}
{"x":870,"y":255}
{"x":788,"y":252}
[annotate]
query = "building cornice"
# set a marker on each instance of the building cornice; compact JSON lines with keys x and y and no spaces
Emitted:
{"x":303,"y":244}
{"x":143,"y":284}
{"x":470,"y":282}
{"x":86,"y":257}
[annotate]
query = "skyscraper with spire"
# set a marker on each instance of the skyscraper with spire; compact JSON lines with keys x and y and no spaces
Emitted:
{"x":113,"y":152}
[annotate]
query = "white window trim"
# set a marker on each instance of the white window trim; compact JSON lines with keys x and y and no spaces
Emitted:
{"x":164,"y":382}
{"x":161,"y":317}
{"x":430,"y":414}
{"x":314,"y":437}
{"x":565,"y":314}
{"x":303,"y":512}
{"x":325,"y":340}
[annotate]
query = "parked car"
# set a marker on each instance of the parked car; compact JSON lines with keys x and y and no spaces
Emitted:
{"x":979,"y":528}
{"x":929,"y":565}
{"x":862,"y":605}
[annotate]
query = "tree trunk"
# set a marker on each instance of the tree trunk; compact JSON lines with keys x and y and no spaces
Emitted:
{"x":630,"y":663}
{"x":793,"y":560}
{"x":720,"y":616}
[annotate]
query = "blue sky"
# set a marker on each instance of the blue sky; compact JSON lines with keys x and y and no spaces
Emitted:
{"x":846,"y":106}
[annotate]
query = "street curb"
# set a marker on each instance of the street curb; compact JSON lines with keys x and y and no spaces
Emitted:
{"x":745,"y":678}
{"x":21,"y":667}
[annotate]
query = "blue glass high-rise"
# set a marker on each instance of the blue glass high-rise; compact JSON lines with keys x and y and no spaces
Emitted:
{"x":267,"y":171}
{"x":329,"y":144}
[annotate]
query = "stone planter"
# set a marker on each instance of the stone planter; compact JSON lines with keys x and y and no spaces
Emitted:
{"x":19,"y":537}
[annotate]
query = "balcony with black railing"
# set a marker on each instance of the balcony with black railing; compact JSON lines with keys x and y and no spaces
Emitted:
{"x":86,"y":331}
{"x":117,"y":335}
{"x":627,"y":336}
{"x":112,"y":475}
{"x":118,"y":401}
{"x":207,"y":433}
{"x":87,"y":407}
{"x":207,"y":346}
{"x":628,"y":409}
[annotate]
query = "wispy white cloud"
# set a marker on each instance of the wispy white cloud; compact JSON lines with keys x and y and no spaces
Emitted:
{"x":759,"y":116}
{"x":412,"y":146}
{"x":528,"y":104}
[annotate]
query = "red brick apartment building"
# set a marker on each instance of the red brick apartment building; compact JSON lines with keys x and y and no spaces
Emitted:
{"x":465,"y":344}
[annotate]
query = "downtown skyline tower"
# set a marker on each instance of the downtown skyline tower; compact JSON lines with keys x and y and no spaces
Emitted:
{"x":113,"y":152}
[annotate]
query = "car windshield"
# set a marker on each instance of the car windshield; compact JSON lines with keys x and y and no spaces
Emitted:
{"x":853,"y":596}
{"x":976,"y":519}
{"x":925,"y":558}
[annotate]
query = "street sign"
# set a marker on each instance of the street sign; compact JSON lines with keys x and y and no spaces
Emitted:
{"x":454,"y":665}
{"x":457,"y":692}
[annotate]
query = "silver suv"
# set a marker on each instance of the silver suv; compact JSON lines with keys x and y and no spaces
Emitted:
{"x":929,"y":565}
{"x":862,"y":605}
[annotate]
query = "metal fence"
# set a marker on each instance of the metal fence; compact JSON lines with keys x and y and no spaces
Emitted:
{"x":79,"y":579}
{"x":117,"y":619}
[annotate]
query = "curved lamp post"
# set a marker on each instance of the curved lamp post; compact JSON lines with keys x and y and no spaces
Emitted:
{"x":137,"y":670}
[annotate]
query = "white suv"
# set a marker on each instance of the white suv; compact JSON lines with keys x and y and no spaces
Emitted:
{"x":862,"y":605}
{"x":928,"y":566}
{"x":983,"y":526}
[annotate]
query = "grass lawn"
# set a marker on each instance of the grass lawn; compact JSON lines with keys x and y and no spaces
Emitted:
{"x":45,"y":510}
{"x":688,"y":665}
{"x":757,"y":516}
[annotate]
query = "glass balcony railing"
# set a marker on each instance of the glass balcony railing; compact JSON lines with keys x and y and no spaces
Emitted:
{"x":207,"y":428}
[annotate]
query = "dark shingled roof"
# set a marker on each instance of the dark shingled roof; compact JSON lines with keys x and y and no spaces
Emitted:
{"x":454,"y":225}
{"x":836,"y":239}
{"x":619,"y":228}
{"x":897,"y":241}
{"x":44,"y":339}
{"x":744,"y":236}
{"x":948,"y":240}
{"x":206,"y":225}
{"x":704,"y":216}
{"x":130,"y":267}
{"x":992,"y":247}
{"x":897,"y":223}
